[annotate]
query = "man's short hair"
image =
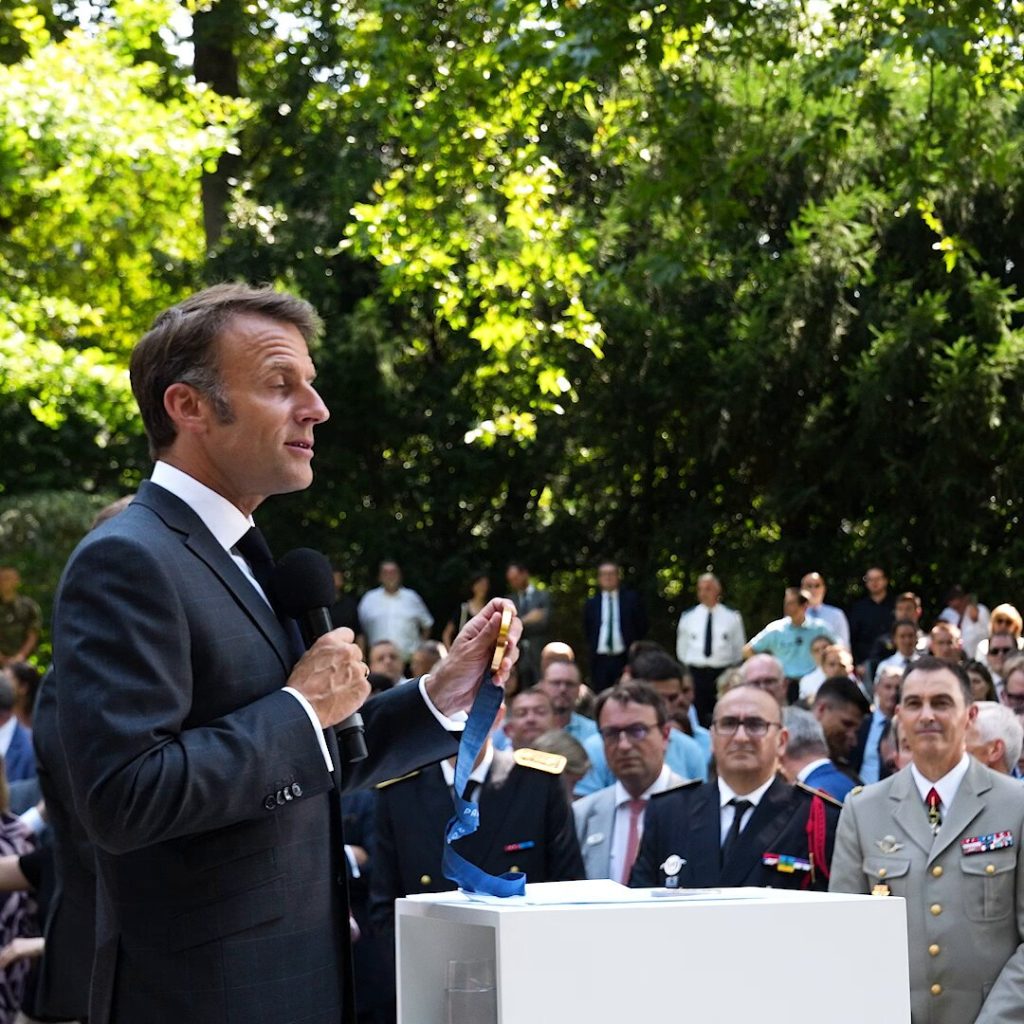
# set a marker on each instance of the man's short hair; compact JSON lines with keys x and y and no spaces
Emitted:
{"x":837,"y":690}
{"x":929,"y":663}
{"x":798,"y":595}
{"x":181,"y":347}
{"x":654,"y":666}
{"x":806,"y":735}
{"x":908,"y":595}
{"x":382,"y":642}
{"x":633,"y":692}
{"x":6,"y":693}
{"x":997,"y":722}
{"x":529,"y":691}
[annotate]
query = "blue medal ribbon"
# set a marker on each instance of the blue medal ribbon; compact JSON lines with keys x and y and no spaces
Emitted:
{"x":466,"y":820}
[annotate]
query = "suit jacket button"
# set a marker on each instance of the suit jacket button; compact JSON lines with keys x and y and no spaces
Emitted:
{"x":936,"y":909}
{"x":425,"y":879}
{"x":270,"y":803}
{"x":296,"y":789}
{"x":934,"y":949}
{"x":937,"y":871}
{"x":936,"y":989}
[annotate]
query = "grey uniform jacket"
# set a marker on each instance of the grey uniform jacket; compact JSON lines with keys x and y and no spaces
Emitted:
{"x":965,"y":904}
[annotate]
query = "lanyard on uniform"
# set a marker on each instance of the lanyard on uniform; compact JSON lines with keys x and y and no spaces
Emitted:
{"x":466,"y":820}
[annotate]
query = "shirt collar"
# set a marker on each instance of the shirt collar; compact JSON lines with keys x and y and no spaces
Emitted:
{"x":478,"y":774}
{"x":726,"y":793}
{"x":226,"y":522}
{"x":947,"y":786}
{"x":659,"y":785}
{"x":808,"y":768}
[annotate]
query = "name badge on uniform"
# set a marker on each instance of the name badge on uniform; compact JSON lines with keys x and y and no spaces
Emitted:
{"x":982,"y":844}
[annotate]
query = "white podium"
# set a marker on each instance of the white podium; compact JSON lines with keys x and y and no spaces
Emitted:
{"x":720,"y":957}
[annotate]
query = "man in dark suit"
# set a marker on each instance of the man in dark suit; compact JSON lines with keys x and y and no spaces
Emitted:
{"x":205,"y":762}
{"x":612,"y":619}
{"x":534,"y":608}
{"x":749,"y":827}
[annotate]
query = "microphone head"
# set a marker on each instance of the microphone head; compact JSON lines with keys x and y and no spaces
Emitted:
{"x":303,"y":580}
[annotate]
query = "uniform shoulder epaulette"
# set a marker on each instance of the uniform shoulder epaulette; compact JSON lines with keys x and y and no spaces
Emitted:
{"x":553,"y":764}
{"x":400,"y":778}
{"x":856,"y":790}
{"x":827,"y":797}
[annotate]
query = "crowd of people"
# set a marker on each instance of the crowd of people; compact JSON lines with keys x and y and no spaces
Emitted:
{"x":194,"y":843}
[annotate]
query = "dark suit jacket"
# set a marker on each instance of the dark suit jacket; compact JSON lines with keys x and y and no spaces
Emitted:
{"x":62,"y":992}
{"x":20,"y":760}
{"x":632,"y":618}
{"x":687,"y":822}
{"x":221,"y":891}
{"x":517,"y":805}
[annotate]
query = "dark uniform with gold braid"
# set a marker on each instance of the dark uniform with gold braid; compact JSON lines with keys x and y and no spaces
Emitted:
{"x":786,"y":844}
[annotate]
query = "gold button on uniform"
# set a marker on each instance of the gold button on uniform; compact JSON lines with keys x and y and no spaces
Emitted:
{"x":936,"y":909}
{"x":882,"y":872}
{"x":515,"y":867}
{"x":990,"y":869}
{"x":934,"y":950}
{"x":936,"y":989}
{"x":937,"y":871}
{"x":424,"y":879}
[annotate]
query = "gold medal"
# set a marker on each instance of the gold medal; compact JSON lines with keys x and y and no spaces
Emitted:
{"x":499,"y":647}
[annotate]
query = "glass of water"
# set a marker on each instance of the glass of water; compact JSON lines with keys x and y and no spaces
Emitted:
{"x":470,"y":994}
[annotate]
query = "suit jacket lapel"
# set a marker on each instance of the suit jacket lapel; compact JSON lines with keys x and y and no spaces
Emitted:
{"x":967,"y":805}
{"x":766,"y":822}
{"x":198,"y":539}
{"x":909,"y":812}
{"x":494,"y":812}
{"x":600,"y":823}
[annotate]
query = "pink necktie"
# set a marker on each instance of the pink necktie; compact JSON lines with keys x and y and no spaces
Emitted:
{"x":636,"y":808}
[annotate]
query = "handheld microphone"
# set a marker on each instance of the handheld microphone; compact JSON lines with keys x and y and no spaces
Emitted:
{"x":304,"y":585}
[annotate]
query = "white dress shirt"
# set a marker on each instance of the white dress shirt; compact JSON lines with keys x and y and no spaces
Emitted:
{"x":610,"y":608}
{"x":946,"y":787}
{"x":725,"y":794}
{"x":399,"y":617}
{"x":7,"y":734}
{"x":834,"y":618}
{"x":727,"y":637}
{"x":620,"y":823}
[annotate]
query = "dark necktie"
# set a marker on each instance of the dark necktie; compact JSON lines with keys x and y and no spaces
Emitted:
{"x":707,"y":637}
{"x":610,"y":641}
{"x":741,"y":806}
{"x":254,"y":549}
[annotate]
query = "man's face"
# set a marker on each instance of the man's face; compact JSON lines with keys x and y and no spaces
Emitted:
{"x":708,"y":591}
{"x":530,"y":716}
{"x":265,"y":446}
{"x":671,"y":692}
{"x":836,"y":663}
{"x":516,"y":578}
{"x":1013,"y":691}
{"x":887,"y":689}
{"x":686,"y":693}
{"x":905,"y":639}
{"x":840,"y":723}
{"x":764,"y":672}
{"x":815,"y":586}
{"x":9,"y":582}
{"x":561,"y":682}
{"x":390,"y":576}
{"x":635,"y":761}
{"x":794,"y":608}
{"x":907,"y":609}
{"x":876,"y":582}
{"x":1000,"y":647}
{"x":818,"y":646}
{"x":608,"y":577}
{"x":943,"y":645}
{"x":384,"y":658}
{"x":934,"y":716}
{"x":740,"y":755}
{"x":988,"y":752}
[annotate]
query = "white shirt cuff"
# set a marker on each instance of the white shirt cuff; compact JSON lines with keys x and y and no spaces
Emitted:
{"x":34,"y":820}
{"x":315,"y":722}
{"x":454,"y":724}
{"x":353,"y":864}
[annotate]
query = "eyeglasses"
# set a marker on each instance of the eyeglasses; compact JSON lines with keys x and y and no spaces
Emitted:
{"x":999,"y":650}
{"x":1015,"y":700}
{"x":814,"y":586}
{"x":635,"y":733}
{"x":728,"y":725}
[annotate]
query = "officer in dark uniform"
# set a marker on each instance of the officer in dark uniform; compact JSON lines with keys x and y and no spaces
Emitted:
{"x":748,"y":826}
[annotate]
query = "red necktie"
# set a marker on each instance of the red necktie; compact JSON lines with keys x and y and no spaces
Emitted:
{"x":636,"y":809}
{"x":933,"y":800}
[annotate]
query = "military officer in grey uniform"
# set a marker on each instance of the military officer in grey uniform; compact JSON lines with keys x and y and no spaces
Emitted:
{"x":945,"y":833}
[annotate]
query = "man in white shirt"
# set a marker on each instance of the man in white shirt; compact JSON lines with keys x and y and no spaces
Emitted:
{"x":945,"y":834}
{"x":969,"y":615}
{"x":633,"y":722}
{"x":833,"y":617}
{"x":709,"y":639}
{"x":393,"y":612}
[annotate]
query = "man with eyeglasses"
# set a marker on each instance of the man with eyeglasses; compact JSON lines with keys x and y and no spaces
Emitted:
{"x":1001,"y":647}
{"x":945,"y":834}
{"x":633,"y":723}
{"x":749,"y":827}
{"x":765,"y":672}
{"x":1011,"y":693}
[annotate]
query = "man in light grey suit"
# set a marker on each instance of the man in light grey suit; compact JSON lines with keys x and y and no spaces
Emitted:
{"x":633,"y":721}
{"x":945,"y":833}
